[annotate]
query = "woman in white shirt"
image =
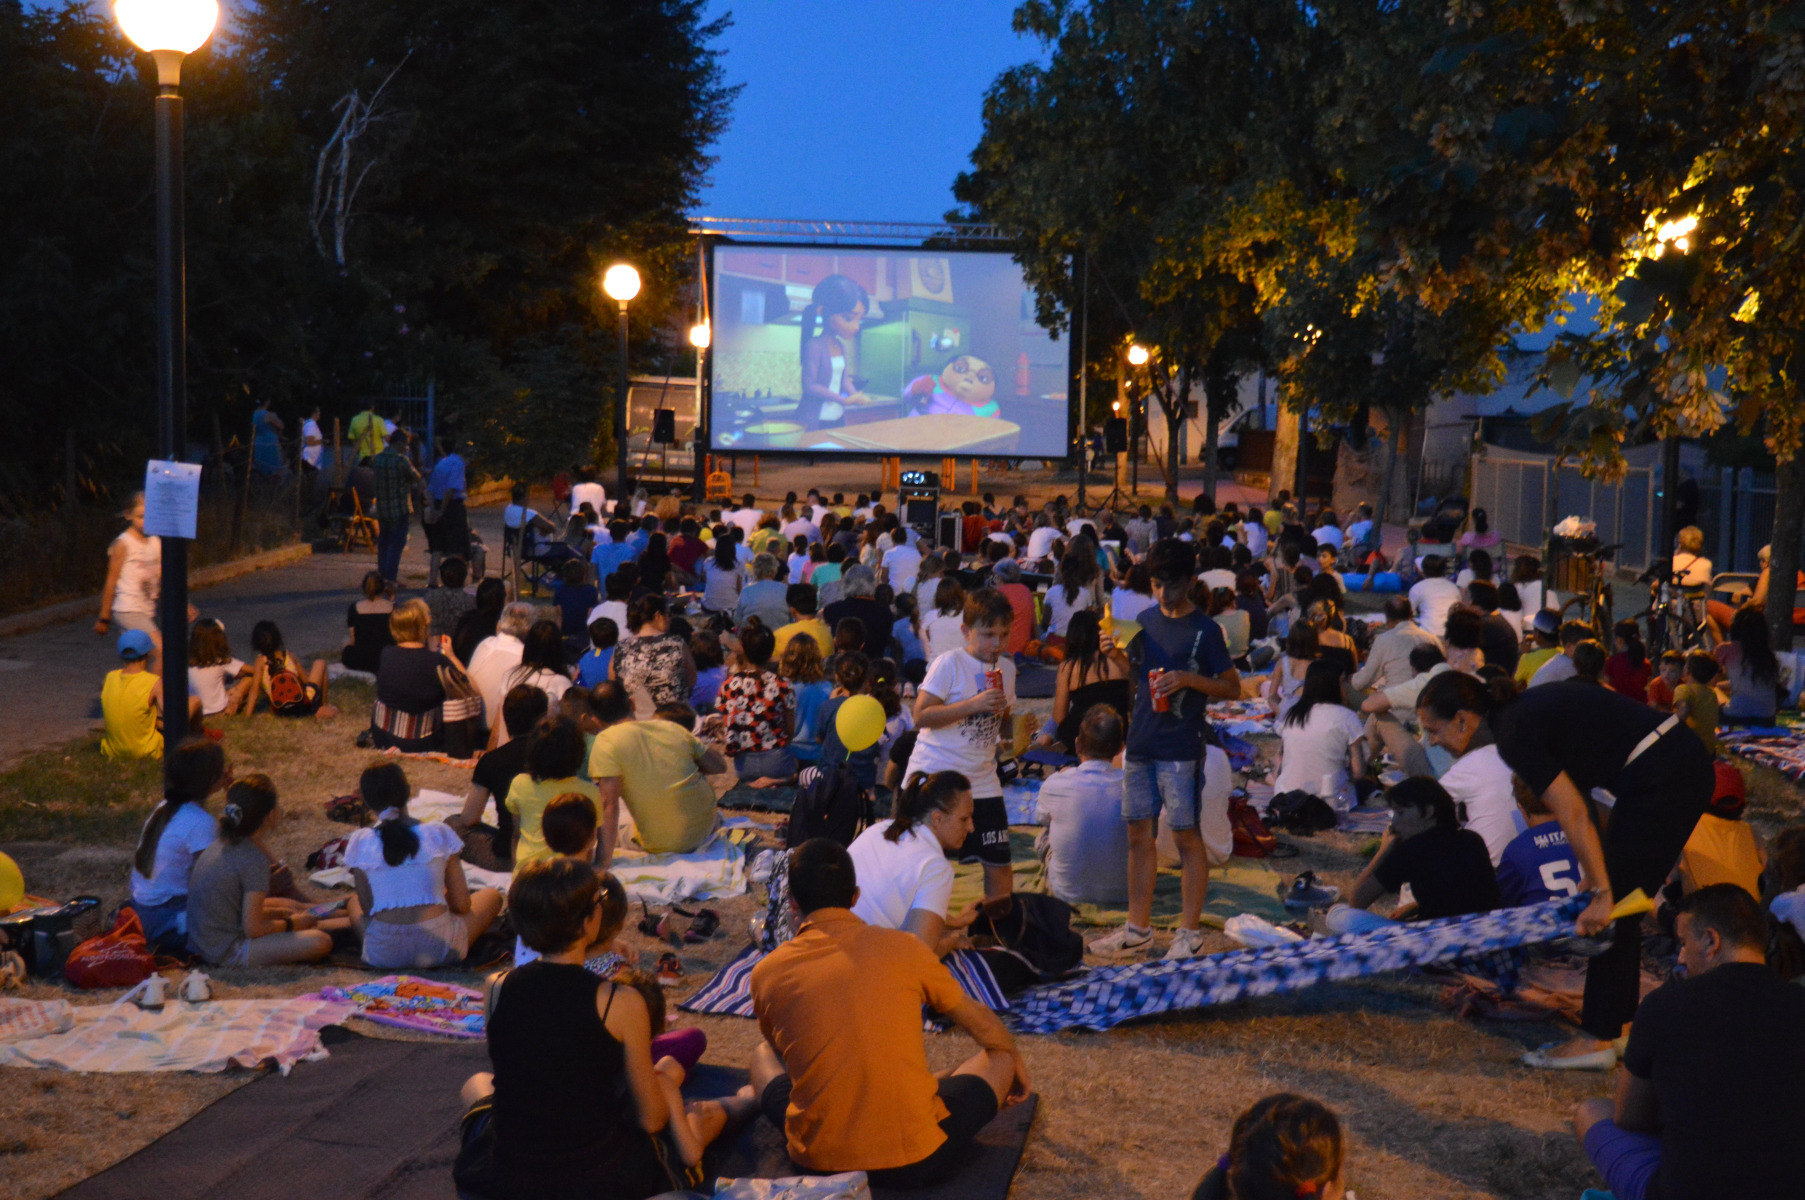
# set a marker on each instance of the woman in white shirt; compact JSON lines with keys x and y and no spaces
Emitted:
{"x":1134,"y":596}
{"x":1452,"y":709}
{"x":945,"y":630}
{"x":417,"y":909}
{"x":1282,"y":687}
{"x":1076,"y":589}
{"x":174,"y":836}
{"x":905,"y":879}
{"x":1324,"y":743}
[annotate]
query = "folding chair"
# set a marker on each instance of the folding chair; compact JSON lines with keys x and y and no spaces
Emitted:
{"x":358,"y":527}
{"x":719,"y":487}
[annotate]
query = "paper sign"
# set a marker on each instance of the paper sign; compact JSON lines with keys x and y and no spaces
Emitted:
{"x":172,"y":498}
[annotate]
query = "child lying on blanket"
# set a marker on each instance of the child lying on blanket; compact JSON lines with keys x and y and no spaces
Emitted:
{"x":575,"y":1105}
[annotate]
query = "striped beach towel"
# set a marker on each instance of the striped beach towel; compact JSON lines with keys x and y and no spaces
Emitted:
{"x":729,"y":993}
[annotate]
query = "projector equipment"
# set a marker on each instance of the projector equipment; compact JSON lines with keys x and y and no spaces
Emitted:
{"x":664,"y":426}
{"x":918,"y":497}
{"x":949,"y":529}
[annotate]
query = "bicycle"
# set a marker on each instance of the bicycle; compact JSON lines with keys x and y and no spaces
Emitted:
{"x":1676,"y":615}
{"x":1595,"y":601}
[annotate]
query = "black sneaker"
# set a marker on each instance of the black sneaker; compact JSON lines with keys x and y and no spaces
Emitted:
{"x":1305,"y":893}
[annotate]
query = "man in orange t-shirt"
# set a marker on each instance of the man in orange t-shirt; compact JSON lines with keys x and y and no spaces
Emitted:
{"x":843,"y":1068}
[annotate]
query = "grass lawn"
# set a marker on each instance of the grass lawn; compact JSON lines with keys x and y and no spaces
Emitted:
{"x":1435,"y":1105}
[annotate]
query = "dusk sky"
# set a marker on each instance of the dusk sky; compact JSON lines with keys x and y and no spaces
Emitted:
{"x":856,"y":110}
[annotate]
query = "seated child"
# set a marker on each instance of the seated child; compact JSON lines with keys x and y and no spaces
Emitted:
{"x":175,"y":834}
{"x":698,"y":1122}
{"x":233,"y":921}
{"x":221,"y":683}
{"x":575,"y":1104}
{"x":711,"y":670}
{"x":1448,"y":868}
{"x":604,"y":636}
{"x":1285,"y":1145}
{"x":131,"y":702}
{"x":417,"y":909}
{"x":1671,"y":670}
{"x":1695,"y":701}
{"x":575,"y":596}
{"x":291,"y":689}
{"x":1538,"y":864}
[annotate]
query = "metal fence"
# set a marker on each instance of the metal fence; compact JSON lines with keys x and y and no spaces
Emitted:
{"x":1736,"y":514}
{"x":1526,"y":494}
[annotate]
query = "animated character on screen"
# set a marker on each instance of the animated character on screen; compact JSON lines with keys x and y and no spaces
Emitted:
{"x":964,"y":388}
{"x":827,"y":386}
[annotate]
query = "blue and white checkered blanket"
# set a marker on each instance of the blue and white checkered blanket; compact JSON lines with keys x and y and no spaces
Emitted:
{"x":729,"y":993}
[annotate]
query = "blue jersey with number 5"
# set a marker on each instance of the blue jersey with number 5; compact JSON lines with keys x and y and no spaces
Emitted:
{"x":1537,"y":865}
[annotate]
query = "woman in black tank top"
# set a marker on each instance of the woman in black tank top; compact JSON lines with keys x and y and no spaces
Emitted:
{"x":1087,"y":677}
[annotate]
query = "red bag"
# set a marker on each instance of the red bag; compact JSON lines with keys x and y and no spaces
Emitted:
{"x":119,"y":958}
{"x":1252,"y":839}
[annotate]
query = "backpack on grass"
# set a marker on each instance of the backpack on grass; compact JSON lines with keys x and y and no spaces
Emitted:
{"x":1033,"y":942}
{"x":287,"y":693}
{"x":830,"y":804}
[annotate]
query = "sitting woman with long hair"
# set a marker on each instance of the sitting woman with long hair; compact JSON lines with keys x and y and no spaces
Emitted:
{"x":417,"y":909}
{"x":1751,"y":668}
{"x":176,"y":833}
{"x":1090,"y":674}
{"x":1287,"y":678}
{"x":1324,"y":742}
{"x":905,"y":879}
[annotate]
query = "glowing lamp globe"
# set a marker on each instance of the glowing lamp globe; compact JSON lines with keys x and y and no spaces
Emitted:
{"x":700,"y":336}
{"x":621,"y":282}
{"x":179,"y":25}
{"x":1137,"y":355}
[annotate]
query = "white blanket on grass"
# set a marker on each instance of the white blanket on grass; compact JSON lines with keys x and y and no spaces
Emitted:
{"x":210,"y":1036}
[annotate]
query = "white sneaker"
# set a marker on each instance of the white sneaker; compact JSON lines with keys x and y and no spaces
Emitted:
{"x":1122,"y":943}
{"x":1185,"y":944}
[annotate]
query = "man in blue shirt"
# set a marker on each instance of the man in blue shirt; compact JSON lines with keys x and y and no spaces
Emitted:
{"x":609,"y":555}
{"x":447,"y":524}
{"x":1166,"y":739}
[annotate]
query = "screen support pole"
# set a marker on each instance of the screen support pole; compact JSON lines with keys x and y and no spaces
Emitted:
{"x":1084,"y":289}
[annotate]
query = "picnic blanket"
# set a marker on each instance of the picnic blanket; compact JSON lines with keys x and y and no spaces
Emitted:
{"x":729,"y":993}
{"x":714,"y":872}
{"x":21,"y":1019}
{"x":183,"y":1037}
{"x":1778,"y":747}
{"x":1244,"y":718}
{"x":410,"y":1002}
{"x":1108,"y":996}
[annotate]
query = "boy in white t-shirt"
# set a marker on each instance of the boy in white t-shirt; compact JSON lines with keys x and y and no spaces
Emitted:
{"x":962,"y":710}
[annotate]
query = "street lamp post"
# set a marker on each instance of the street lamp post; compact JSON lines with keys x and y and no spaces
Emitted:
{"x":170,"y":30}
{"x":621,"y":283}
{"x":701,"y":336}
{"x":1137,"y":358}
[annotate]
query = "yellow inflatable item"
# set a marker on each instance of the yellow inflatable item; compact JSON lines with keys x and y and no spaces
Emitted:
{"x":12,"y":883}
{"x":1122,"y":631}
{"x":1633,"y":905}
{"x":860,"y":722}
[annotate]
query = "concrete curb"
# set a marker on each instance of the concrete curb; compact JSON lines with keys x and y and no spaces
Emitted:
{"x":87,"y":606}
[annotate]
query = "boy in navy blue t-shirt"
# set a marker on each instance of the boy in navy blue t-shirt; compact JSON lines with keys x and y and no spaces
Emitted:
{"x":1166,"y":738}
{"x":1538,"y":864}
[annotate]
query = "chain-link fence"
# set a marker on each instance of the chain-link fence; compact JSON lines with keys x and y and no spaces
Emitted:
{"x":1525,"y":494}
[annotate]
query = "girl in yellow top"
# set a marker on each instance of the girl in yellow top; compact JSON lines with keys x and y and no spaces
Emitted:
{"x":552,"y":764}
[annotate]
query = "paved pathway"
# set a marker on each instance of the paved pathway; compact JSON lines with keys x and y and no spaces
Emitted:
{"x":50,"y":678}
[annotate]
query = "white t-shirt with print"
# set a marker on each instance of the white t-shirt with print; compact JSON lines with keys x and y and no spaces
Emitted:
{"x":911,"y":872}
{"x":969,"y":746}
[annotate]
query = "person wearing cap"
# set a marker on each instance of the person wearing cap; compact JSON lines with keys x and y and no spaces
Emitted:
{"x":131,"y":702}
{"x":1545,"y":633}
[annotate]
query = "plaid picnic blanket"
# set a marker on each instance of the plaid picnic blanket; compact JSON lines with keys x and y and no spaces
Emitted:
{"x":1108,"y":996}
{"x":1781,"y":748}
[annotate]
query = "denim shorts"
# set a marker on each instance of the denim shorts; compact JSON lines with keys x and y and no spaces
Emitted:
{"x":1149,"y":785}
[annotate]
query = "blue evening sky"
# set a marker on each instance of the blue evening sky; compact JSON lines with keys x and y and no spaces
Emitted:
{"x":858,"y":110}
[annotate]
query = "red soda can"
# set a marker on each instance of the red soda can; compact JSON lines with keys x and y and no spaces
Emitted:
{"x":1161,"y":701}
{"x":993,"y":680}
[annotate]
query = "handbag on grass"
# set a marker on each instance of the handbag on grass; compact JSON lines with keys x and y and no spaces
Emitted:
{"x":118,"y":958}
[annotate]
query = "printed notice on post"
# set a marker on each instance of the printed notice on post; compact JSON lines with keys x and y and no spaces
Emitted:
{"x":172,"y":498}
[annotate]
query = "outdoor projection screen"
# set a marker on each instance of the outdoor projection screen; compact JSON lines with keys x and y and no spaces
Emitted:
{"x":825,"y":350}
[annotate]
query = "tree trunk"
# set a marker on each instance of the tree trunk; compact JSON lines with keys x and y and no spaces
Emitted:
{"x":1175,"y":420}
{"x":1211,"y":440}
{"x":1284,"y":451}
{"x":1783,"y":564}
{"x":1394,"y":434}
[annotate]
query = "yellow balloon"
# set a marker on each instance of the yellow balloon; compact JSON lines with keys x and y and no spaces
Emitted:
{"x":860,"y":722}
{"x":12,"y":884}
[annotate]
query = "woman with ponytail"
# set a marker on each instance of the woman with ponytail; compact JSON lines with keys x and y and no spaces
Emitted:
{"x":417,"y":909}
{"x":1286,"y":1147}
{"x":176,"y":833}
{"x":1453,"y":707}
{"x":828,"y":367}
{"x":905,"y":879}
{"x":1597,"y":760}
{"x":233,"y":921}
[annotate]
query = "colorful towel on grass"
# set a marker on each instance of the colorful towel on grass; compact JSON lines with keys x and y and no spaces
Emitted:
{"x":1244,"y":718}
{"x":21,"y":1019}
{"x":1781,"y":749}
{"x":409,"y":1002}
{"x":1110,"y":995}
{"x":729,"y":993}
{"x":184,"y":1037}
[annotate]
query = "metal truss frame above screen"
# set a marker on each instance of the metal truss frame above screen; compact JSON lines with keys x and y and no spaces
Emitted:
{"x":805,"y":229}
{"x":944,"y":357}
